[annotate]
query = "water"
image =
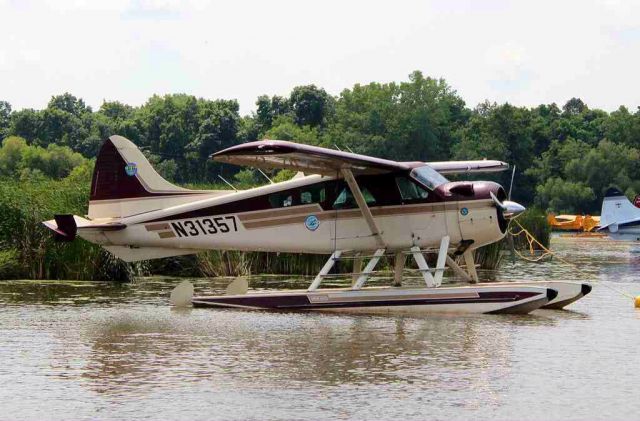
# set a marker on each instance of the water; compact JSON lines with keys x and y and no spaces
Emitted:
{"x":80,"y":350}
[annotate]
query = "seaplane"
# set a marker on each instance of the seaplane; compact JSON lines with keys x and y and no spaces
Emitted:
{"x":344,"y":205}
{"x":619,"y":219}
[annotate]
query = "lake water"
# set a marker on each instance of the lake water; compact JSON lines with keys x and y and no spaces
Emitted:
{"x":81,"y":350}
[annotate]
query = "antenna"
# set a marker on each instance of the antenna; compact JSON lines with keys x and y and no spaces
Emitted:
{"x":229,"y":184}
{"x":513,"y":174}
{"x":265,"y":175}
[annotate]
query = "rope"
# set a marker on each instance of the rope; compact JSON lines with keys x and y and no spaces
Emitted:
{"x":531,"y":239}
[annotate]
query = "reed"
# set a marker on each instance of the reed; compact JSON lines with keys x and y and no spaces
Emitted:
{"x":490,"y":256}
{"x":27,"y":248}
{"x":237,"y":263}
{"x":217,"y":263}
{"x":534,"y":220}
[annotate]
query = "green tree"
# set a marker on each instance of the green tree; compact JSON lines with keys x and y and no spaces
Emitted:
{"x":311,"y":106}
{"x":5,"y":118}
{"x":501,"y":132}
{"x":562,"y":196}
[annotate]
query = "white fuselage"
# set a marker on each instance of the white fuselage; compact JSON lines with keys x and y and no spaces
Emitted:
{"x":305,"y":228}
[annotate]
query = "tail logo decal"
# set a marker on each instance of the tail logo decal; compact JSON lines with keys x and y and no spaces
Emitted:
{"x":131,"y":169}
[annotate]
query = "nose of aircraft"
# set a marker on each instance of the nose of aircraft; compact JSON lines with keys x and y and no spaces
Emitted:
{"x":512,"y":209}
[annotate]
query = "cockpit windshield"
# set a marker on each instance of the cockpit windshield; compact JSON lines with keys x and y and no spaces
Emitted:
{"x":428,"y":177}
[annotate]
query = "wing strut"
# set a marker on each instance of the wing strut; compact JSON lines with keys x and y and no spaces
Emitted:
{"x":362,"y":204}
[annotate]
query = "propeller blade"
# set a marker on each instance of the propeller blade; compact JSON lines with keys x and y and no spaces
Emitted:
{"x":497,"y":201}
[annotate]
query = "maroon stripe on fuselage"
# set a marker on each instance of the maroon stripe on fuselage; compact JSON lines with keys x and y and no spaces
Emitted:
{"x":382,"y":187}
{"x":301,"y":301}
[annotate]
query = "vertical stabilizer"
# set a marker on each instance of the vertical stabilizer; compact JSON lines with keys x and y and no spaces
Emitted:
{"x":617,"y":209}
{"x":124,"y":184}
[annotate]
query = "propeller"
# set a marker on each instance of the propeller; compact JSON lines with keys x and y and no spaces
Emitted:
{"x":510,"y":210}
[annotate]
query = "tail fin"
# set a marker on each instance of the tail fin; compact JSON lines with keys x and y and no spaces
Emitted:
{"x":617,"y":209}
{"x":124,"y":183}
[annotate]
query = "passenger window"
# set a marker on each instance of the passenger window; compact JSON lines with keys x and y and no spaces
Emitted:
{"x":281,"y":200}
{"x":410,"y":190}
{"x":345,"y":199}
{"x":312,"y":195}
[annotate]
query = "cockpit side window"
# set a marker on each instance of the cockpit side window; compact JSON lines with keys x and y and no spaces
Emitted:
{"x":428,"y":177}
{"x":409,"y":190}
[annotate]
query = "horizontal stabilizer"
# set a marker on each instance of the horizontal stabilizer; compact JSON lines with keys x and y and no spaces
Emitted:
{"x":66,"y":227}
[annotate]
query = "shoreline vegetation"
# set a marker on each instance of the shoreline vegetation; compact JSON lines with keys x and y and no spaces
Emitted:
{"x":565,"y":157}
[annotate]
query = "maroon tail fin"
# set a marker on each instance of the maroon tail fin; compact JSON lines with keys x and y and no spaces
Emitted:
{"x":123,"y":174}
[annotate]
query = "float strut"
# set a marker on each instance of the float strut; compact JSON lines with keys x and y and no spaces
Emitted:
{"x":442,"y":258}
{"x":423,"y":266}
{"x":368,"y":270}
{"x":471,"y":265}
{"x":325,"y":270}
{"x":399,"y":262}
{"x":357,"y":268}
{"x":458,"y":270}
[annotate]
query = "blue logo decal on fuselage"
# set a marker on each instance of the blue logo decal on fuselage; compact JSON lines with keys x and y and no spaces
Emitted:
{"x":312,"y":222}
{"x":131,"y":169}
{"x":464,"y":211}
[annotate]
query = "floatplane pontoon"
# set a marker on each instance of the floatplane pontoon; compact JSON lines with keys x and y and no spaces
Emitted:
{"x":345,"y":205}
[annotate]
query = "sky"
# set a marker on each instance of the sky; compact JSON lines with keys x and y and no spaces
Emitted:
{"x":522,"y":52}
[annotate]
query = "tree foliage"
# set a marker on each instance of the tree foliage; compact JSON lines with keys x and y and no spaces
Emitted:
{"x":566,"y":156}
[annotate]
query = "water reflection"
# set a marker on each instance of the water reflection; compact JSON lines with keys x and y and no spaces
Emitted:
{"x":232,"y":348}
{"x":121,"y":352}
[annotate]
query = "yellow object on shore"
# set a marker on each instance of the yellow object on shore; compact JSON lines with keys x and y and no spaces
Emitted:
{"x":638,"y":301}
{"x":589,"y":223}
{"x":585,"y":223}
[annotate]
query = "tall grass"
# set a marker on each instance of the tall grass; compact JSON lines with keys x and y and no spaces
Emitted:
{"x":534,"y":220}
{"x":27,"y":248}
{"x":238,"y":263}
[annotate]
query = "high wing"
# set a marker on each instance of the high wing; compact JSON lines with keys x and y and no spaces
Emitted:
{"x":305,"y":158}
{"x":316,"y":160}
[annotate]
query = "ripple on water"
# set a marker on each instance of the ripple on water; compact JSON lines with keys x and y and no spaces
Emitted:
{"x":87,"y":351}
